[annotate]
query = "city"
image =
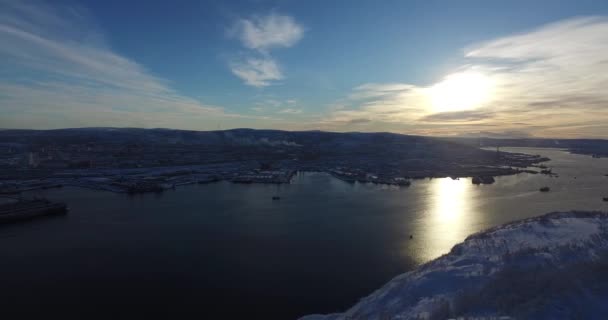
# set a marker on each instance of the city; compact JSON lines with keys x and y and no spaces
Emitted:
{"x":140,"y":160}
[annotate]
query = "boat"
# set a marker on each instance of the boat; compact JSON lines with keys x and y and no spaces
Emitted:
{"x":401,"y":182}
{"x":145,"y":187}
{"x":245,"y":180}
{"x":605,"y":199}
{"x":545,"y":189}
{"x":9,"y":191}
{"x":276,"y":198}
{"x":28,"y":209}
{"x":404,"y":183}
{"x":483,"y":180}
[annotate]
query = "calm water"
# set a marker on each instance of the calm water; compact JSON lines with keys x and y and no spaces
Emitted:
{"x":229,"y":251}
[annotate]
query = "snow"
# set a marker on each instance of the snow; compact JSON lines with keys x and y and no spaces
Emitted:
{"x":536,"y":268}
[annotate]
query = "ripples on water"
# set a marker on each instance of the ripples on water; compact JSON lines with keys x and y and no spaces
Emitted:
{"x":228,"y":250}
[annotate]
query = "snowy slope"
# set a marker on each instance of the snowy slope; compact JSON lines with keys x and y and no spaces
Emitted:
{"x":550,"y":267}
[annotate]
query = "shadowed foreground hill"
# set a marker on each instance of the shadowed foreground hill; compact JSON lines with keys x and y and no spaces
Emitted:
{"x":549,"y":267}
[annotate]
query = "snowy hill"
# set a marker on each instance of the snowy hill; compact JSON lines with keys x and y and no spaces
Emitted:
{"x":549,"y":267}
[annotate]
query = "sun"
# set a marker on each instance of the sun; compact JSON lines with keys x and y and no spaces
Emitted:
{"x":460,"y":91}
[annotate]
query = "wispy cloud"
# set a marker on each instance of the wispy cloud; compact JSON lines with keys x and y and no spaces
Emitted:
{"x":260,"y":34}
{"x":266,"y":32}
{"x":257,"y":72}
{"x":290,"y":111}
{"x":57,"y":71}
{"x":458,"y":116}
{"x":280,"y":108}
{"x":381,"y":103}
{"x":554,"y":77}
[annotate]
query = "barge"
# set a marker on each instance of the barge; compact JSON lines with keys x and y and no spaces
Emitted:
{"x":29,"y":209}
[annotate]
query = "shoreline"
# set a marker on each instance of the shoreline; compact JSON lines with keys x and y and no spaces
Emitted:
{"x":165,"y":178}
{"x":535,"y":258}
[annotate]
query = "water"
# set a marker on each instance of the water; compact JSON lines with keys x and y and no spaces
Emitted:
{"x":228,"y":251}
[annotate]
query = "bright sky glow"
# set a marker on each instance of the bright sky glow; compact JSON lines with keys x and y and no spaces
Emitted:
{"x":461,"y":91}
{"x":495,"y":68}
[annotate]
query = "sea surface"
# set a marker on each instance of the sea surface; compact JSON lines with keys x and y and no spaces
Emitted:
{"x":228,"y":251}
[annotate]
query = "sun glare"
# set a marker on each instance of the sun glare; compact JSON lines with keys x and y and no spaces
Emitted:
{"x":451,"y":216}
{"x":460,"y":91}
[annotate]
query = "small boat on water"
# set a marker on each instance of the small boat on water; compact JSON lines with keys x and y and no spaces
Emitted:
{"x":29,"y":209}
{"x":605,"y":199}
{"x":545,"y":189}
{"x":276,"y":198}
{"x":483,"y":180}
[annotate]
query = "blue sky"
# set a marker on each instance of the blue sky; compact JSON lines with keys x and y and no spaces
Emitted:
{"x":399,"y":66}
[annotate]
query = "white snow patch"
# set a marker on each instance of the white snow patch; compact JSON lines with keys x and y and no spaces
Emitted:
{"x":426,"y":292}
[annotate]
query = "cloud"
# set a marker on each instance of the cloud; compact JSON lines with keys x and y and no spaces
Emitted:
{"x":555,"y":43}
{"x":267,"y":32}
{"x":377,"y":90}
{"x":290,"y":111}
{"x":359,"y":121}
{"x":257,"y":72}
{"x":505,"y":134}
{"x":260,"y":34}
{"x":272,"y":105}
{"x":554,"y":76}
{"x":380,"y":103}
{"x":57,"y":71}
{"x":458,"y":116}
{"x":496,"y":135}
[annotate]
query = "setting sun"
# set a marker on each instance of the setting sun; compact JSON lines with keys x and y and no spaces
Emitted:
{"x":460,"y":91}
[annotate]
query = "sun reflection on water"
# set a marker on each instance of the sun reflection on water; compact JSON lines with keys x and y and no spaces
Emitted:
{"x":451,"y":216}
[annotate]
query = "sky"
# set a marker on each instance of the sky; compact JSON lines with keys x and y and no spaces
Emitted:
{"x":443,"y":68}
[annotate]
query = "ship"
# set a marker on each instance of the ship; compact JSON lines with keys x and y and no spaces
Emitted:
{"x":29,"y":209}
{"x":546,"y":171}
{"x":483,"y":180}
{"x":544,"y":189}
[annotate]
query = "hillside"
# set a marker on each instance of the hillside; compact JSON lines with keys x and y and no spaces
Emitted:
{"x":549,"y":267}
{"x":401,"y":152}
{"x":592,"y":147}
{"x":163,"y":158}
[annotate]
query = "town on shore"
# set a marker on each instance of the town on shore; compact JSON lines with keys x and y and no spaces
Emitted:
{"x":152,"y":160}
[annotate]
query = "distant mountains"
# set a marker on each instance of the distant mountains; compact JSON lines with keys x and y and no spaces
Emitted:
{"x":597,"y":147}
{"x":315,"y":139}
{"x":354,"y":154}
{"x":318,"y":140}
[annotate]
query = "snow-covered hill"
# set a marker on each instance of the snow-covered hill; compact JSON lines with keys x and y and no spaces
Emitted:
{"x":550,"y":267}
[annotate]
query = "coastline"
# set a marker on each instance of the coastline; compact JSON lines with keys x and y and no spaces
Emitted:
{"x":496,"y":272}
{"x":157,"y":179}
